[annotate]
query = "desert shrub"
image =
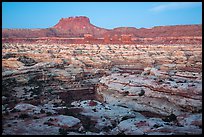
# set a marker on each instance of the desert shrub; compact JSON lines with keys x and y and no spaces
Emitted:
{"x":9,"y":55}
{"x":42,"y":111}
{"x":142,"y":92}
{"x":170,"y":118}
{"x":24,"y":115}
{"x":62,"y":131}
{"x":27,"y":61}
{"x":48,"y":113}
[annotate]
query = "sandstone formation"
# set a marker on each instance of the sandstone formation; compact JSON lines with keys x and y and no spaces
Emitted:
{"x":101,"y":89}
{"x":73,"y":29}
{"x":78,"y":79}
{"x":77,"y":27}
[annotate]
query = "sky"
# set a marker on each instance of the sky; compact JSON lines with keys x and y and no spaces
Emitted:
{"x":102,"y":14}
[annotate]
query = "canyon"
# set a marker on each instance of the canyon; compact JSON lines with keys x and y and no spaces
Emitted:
{"x":95,"y":81}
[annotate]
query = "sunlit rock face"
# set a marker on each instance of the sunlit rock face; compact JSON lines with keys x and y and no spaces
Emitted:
{"x":101,"y":89}
{"x":161,"y":80}
{"x":74,"y":30}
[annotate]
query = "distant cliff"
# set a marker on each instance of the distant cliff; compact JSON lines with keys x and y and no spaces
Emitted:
{"x":76,"y":27}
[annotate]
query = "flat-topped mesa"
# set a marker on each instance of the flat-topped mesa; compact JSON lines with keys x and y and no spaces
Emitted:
{"x":67,"y":23}
{"x":75,"y":28}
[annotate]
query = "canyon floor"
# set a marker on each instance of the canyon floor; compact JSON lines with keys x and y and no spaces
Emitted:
{"x":101,"y":89}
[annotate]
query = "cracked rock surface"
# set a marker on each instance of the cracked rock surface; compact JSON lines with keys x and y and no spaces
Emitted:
{"x":98,"y":89}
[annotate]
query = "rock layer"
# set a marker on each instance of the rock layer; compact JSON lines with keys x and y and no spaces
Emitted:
{"x":75,"y":29}
{"x":101,"y":89}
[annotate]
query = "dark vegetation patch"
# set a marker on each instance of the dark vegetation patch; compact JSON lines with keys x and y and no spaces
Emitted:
{"x":27,"y":61}
{"x":48,"y":113}
{"x":9,"y":55}
{"x":7,"y":85}
{"x":142,"y":92}
{"x":170,"y":118}
{"x":62,"y":131}
{"x":156,"y":125}
{"x":24,"y":115}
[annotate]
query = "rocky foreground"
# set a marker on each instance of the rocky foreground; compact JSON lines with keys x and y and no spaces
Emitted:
{"x":94,"y":89}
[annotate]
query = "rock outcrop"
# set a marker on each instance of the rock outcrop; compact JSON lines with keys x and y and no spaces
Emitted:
{"x":73,"y":30}
{"x":101,"y":89}
{"x":77,"y":27}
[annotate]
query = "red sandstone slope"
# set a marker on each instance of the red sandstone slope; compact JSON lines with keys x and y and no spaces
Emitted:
{"x":160,"y":31}
{"x":67,"y":27}
{"x":78,"y":26}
